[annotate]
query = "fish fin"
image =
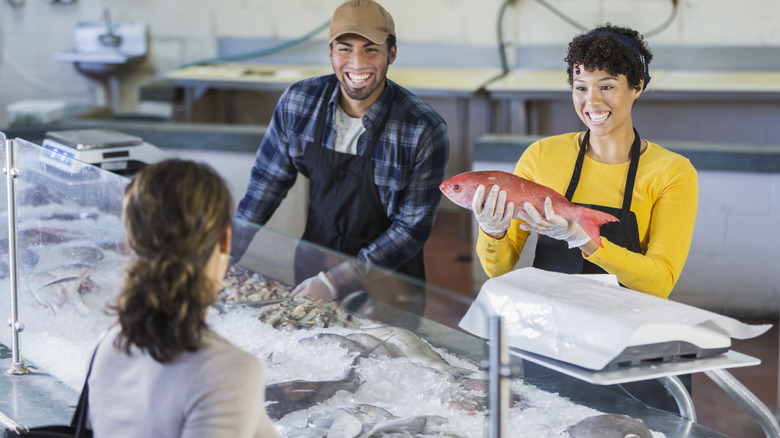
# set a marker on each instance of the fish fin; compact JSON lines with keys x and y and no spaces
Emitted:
{"x":591,"y":220}
{"x":382,"y":342}
{"x":458,"y":372}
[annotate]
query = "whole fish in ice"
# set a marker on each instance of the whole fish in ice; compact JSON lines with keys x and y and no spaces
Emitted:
{"x":25,"y":259}
{"x":55,"y":287}
{"x":39,"y":194}
{"x":333,"y":339}
{"x":360,"y":343}
{"x":377,"y":347}
{"x":87,"y":255}
{"x":345,"y":426}
{"x":306,"y":432}
{"x":407,"y":344}
{"x":44,"y":236}
{"x":365,"y":413}
{"x":470,"y":394}
{"x":365,"y":421}
{"x":294,"y":395}
{"x":460,"y":190}
{"x":411,"y":425}
{"x":60,"y":216}
{"x":609,"y":426}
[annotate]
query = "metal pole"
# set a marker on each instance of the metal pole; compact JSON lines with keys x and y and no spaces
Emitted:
{"x":747,"y":400}
{"x":498,"y":373}
{"x":674,"y":385}
{"x":17,"y":367}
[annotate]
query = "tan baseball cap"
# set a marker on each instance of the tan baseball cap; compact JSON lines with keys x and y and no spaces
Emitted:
{"x":366,"y":18}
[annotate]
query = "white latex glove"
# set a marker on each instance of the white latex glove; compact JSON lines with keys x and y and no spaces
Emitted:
{"x":553,"y":225}
{"x":318,"y":288}
{"x":496,"y":214}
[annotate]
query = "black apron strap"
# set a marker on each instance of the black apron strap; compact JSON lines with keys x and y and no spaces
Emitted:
{"x":378,"y":133}
{"x":346,"y":214}
{"x":555,"y":255}
{"x":80,"y":417}
{"x":575,"y":175}
{"x":628,"y":193}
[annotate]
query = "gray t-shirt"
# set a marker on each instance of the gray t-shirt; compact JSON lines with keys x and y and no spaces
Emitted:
{"x":217,"y":391}
{"x":348,"y":130}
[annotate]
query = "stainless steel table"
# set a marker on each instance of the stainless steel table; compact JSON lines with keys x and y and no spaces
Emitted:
{"x":714,"y":367}
{"x":513,"y":93}
{"x":539,"y":372}
{"x":459,"y":84}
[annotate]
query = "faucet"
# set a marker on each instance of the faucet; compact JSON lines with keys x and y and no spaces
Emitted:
{"x":109,"y":39}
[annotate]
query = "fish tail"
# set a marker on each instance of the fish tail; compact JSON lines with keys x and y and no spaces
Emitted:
{"x":591,"y":220}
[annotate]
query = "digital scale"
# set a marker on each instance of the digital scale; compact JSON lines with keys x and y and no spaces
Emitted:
{"x":111,"y":150}
{"x":608,"y":335}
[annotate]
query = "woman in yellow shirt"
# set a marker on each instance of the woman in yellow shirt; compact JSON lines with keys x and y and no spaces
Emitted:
{"x":608,"y":167}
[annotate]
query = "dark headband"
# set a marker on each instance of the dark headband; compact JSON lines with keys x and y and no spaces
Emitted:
{"x":631,"y":44}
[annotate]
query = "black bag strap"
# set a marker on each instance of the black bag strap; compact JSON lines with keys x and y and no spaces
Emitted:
{"x":79,"y":420}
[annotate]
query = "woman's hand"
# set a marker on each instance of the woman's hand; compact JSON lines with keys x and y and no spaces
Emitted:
{"x":494,"y":214}
{"x":553,"y":225}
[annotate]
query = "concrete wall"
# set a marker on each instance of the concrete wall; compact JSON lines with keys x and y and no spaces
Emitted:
{"x":183,"y":31}
{"x":234,"y":167}
{"x":458,"y":32}
{"x":735,"y":253}
{"x":716,"y":120}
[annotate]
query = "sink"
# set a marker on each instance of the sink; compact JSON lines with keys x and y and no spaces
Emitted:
{"x":102,"y":49}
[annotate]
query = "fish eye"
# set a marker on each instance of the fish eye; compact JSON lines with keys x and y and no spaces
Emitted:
{"x":456,"y":187}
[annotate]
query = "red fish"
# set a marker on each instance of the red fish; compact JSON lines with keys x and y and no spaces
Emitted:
{"x":460,"y":190}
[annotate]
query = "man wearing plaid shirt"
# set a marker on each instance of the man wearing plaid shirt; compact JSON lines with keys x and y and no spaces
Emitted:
{"x":374,"y":154}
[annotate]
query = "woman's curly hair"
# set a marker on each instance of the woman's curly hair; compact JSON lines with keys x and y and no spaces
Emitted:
{"x":616,"y":50}
{"x":174,"y":213}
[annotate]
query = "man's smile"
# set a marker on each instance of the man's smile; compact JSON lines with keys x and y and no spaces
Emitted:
{"x":357,"y":78}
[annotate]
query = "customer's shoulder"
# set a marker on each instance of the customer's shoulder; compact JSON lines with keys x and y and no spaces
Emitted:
{"x":215,"y":346}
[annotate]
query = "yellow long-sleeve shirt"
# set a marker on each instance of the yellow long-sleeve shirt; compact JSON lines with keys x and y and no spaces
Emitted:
{"x":664,"y":201}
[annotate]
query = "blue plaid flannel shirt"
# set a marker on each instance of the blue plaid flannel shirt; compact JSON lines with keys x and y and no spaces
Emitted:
{"x":410,"y":161}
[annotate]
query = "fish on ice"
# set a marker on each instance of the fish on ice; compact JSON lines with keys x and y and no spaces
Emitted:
{"x":55,"y":287}
{"x":361,"y":343}
{"x":460,"y":190}
{"x":365,"y":413}
{"x":364,"y":421}
{"x":609,"y":426}
{"x":403,"y":343}
{"x":285,"y":397}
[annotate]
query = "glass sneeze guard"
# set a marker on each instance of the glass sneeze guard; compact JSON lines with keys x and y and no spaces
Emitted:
{"x":383,"y":350}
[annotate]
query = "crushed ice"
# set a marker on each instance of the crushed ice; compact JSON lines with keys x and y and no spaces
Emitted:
{"x":60,"y":343}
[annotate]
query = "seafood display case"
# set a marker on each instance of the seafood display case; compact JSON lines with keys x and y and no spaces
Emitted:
{"x":386,"y":361}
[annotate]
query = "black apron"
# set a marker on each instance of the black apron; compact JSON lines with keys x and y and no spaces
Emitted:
{"x":555,"y":255}
{"x":346,"y":215}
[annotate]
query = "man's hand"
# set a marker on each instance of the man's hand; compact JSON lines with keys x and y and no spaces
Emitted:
{"x":318,"y":288}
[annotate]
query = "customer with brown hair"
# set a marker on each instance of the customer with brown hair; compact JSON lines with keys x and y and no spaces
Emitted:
{"x":161,"y":371}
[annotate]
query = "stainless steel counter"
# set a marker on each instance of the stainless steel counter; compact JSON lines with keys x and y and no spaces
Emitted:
{"x":34,"y":399}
